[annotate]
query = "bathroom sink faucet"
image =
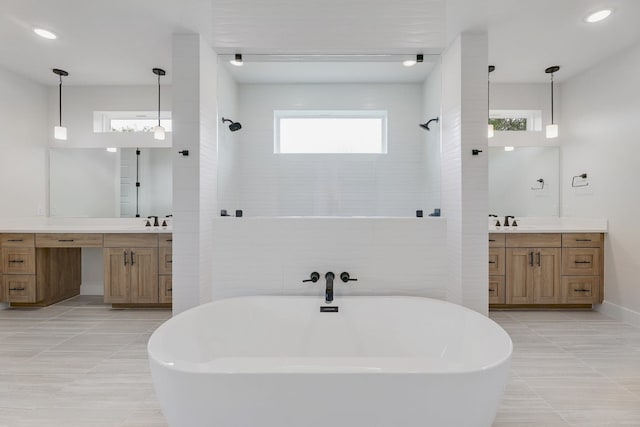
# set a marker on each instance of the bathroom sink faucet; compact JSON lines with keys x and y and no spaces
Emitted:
{"x":328,"y":293}
{"x":506,"y":220}
{"x":155,"y":220}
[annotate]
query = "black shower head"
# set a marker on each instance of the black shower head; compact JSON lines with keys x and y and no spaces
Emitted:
{"x":426,"y":125}
{"x":234,"y":126}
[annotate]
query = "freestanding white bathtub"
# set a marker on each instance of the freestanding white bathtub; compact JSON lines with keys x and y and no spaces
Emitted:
{"x":378,"y":362}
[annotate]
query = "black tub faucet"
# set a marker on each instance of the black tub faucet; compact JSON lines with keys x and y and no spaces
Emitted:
{"x":328,"y":293}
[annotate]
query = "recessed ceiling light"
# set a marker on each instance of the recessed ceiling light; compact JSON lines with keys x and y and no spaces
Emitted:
{"x":598,"y":16}
{"x":45,"y":34}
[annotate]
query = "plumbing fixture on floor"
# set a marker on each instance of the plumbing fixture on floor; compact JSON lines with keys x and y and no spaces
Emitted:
{"x":426,"y":125}
{"x":234,"y":126}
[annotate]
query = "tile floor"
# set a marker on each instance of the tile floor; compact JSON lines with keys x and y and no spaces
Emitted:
{"x":80,"y":363}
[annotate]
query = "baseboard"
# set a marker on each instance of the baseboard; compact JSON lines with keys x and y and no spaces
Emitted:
{"x":619,"y":312}
{"x":92,"y":288}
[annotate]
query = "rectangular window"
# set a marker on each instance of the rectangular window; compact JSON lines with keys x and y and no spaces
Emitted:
{"x":516,"y":120}
{"x":130,"y":121}
{"x":325,"y":132}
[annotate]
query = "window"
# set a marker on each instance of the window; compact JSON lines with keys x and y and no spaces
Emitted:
{"x":344,"y":132}
{"x":130,"y":121}
{"x":516,"y":120}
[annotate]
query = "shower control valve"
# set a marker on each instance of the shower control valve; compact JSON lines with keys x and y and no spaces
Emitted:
{"x":314,"y":277}
{"x":345,"y":277}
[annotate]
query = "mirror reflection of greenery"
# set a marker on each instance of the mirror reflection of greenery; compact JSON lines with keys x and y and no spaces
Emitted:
{"x":519,"y":124}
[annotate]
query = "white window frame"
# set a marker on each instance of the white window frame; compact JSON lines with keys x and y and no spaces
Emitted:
{"x":534,"y":117}
{"x":329,"y":114}
{"x":102,"y":119}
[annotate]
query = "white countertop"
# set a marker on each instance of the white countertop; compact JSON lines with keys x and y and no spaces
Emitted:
{"x":80,"y":225}
{"x":551,"y":225}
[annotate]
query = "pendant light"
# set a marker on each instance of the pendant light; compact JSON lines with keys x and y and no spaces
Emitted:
{"x":552,"y":129}
{"x":60,"y":132}
{"x":158,"y":131}
{"x":489,"y":126}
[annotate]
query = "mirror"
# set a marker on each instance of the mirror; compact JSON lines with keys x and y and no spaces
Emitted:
{"x":96,"y":183}
{"x":298,"y":152}
{"x":514,"y":181}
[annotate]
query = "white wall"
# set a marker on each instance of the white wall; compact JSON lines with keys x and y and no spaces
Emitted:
{"x":79,"y":103}
{"x":24,"y":169}
{"x":331,"y":184}
{"x":600,"y":137}
{"x":388,"y":256}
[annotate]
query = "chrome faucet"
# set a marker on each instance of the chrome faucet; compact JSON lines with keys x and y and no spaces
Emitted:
{"x":328,"y":293}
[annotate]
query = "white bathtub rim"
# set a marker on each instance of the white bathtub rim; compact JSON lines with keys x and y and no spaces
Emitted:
{"x":211,"y":368}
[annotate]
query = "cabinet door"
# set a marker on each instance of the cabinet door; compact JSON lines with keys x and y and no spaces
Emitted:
{"x":19,"y":260}
{"x":546,"y":276}
{"x":116,"y":275}
{"x":144,"y":275}
{"x":20,"y":288}
{"x":580,"y":289}
{"x":519,"y":286}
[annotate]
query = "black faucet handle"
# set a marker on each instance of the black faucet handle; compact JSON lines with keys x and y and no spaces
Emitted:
{"x":493,"y":216}
{"x":314,"y":277}
{"x":345,"y":277}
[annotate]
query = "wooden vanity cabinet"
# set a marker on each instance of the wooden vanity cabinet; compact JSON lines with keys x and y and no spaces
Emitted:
{"x":545,"y":269}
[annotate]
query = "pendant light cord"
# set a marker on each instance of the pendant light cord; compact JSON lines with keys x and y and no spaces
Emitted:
{"x":158,"y":99}
{"x":60,"y":100}
{"x":552,"y":98}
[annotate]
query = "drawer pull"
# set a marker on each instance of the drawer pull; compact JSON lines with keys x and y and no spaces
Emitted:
{"x":492,"y":240}
{"x":16,"y":289}
{"x":169,"y":240}
{"x":583,"y":240}
{"x":582,"y":290}
{"x":583,"y":262}
{"x":491,"y":290}
{"x":16,"y":261}
{"x":170,"y":290}
{"x":66,"y":240}
{"x":15,"y":240}
{"x":492,"y":262}
{"x":169,"y":262}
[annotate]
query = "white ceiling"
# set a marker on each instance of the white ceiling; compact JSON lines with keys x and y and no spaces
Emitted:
{"x":119,"y":41}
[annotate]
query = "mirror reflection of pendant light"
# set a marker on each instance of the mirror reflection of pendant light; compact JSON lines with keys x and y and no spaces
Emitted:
{"x":490,"y":126}
{"x":552,"y":129}
{"x":158,"y":131}
{"x":60,"y":132}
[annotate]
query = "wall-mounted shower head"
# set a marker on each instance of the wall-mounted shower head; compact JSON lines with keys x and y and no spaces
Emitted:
{"x":234,"y":126}
{"x":426,"y":125}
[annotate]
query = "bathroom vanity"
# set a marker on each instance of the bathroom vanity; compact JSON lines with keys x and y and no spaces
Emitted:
{"x":553,"y":266}
{"x":42,"y":265}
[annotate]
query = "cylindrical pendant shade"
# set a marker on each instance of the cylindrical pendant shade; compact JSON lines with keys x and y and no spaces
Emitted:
{"x":552,"y":131}
{"x":158,"y":133}
{"x":60,"y":132}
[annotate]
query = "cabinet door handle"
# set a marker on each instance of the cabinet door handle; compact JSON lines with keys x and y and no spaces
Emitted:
{"x":583,"y":240}
{"x":66,"y":240}
{"x":16,"y":289}
{"x":492,"y":240}
{"x":170,"y":290}
{"x":491,"y":290}
{"x":582,"y":290}
{"x":15,"y":240}
{"x":132,"y":258}
{"x":169,"y":240}
{"x":539,"y":259}
{"x":531,"y":259}
{"x":492,"y":262}
{"x":16,"y":261}
{"x":583,"y":262}
{"x":124,"y":254}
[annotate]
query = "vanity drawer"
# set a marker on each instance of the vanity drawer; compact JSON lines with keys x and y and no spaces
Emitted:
{"x":496,"y":261}
{"x":166,"y":290}
{"x":165,"y":240}
{"x":533,"y":240}
{"x":17,"y":240}
{"x":126,"y":240}
{"x":581,"y":261}
{"x":496,"y":240}
{"x":69,"y":240}
{"x":580,"y":289}
{"x":497,"y":290}
{"x":19,"y":260}
{"x":165,"y":260}
{"x":20,"y":288}
{"x":581,"y":240}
